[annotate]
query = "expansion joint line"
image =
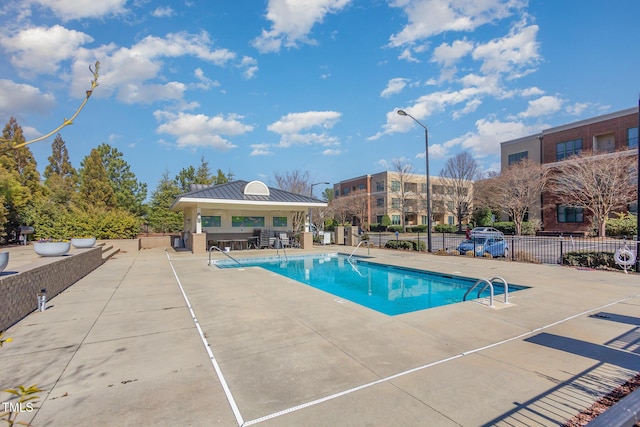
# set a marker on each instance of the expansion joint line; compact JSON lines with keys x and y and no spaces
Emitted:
{"x":207,"y":346}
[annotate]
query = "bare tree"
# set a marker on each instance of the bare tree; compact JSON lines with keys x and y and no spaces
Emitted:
{"x":298,"y":183}
{"x":341,"y":209}
{"x":517,"y":188}
{"x":358,"y":203}
{"x":399,"y":189}
{"x":458,"y":175}
{"x":600,"y":184}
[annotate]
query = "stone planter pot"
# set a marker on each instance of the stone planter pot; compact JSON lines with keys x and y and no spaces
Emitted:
{"x":83,"y":242}
{"x":4,"y":260}
{"x":51,"y":248}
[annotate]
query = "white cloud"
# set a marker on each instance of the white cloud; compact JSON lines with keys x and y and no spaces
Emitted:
{"x":448,"y":54}
{"x":40,"y":49}
{"x":260,"y":150}
{"x":199,"y":130}
{"x":578,"y":108}
{"x":77,"y":9}
{"x":531,"y":91}
{"x":205,"y":82}
{"x":485,"y":141}
{"x":295,"y":128}
{"x":394,"y":86}
{"x":17,"y":98}
{"x":163,"y":12}
{"x":250,"y":66}
{"x":148,"y":93}
{"x":515,"y":54}
{"x":542,"y":106}
{"x":427,"y":18}
{"x":291,"y":22}
{"x":332,"y":152}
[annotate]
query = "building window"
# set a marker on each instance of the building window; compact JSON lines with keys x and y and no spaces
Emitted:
{"x":279,"y":221}
{"x":360,"y":186}
{"x":380,"y":203}
{"x":516,"y":157}
{"x":395,"y":185}
{"x":425,"y":220}
{"x":395,"y":219}
{"x":568,"y":149}
{"x":569,"y":214}
{"x":395,"y":203}
{"x":379,"y":219}
{"x":450,"y":220}
{"x":423,"y":188}
{"x":345,"y":191}
{"x":632,"y":137}
{"x":379,"y":185}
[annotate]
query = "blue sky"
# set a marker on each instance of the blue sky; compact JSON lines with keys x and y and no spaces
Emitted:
{"x":259,"y":87}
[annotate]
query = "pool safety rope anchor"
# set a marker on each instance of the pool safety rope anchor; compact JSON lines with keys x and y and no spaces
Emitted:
{"x":625,"y":258}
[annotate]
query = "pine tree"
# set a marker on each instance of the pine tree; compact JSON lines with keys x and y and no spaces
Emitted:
{"x":19,"y":179}
{"x":161,"y":218}
{"x":61,"y":178}
{"x":95,"y":188}
{"x":129,"y":193}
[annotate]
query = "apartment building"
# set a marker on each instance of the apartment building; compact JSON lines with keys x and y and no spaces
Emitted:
{"x":605,"y":134}
{"x":403,"y":195}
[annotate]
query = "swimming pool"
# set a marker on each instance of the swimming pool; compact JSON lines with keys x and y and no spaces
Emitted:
{"x":388,"y":289}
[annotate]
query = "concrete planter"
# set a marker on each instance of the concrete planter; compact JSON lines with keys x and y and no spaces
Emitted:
{"x":51,"y":248}
{"x":83,"y":242}
{"x":4,"y":260}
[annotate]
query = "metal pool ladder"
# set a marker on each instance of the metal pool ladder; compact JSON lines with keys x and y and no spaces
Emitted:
{"x":222,"y":252}
{"x":489,"y":284}
{"x":354,"y":251}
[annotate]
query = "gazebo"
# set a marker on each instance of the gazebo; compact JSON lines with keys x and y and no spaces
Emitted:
{"x":237,"y":211}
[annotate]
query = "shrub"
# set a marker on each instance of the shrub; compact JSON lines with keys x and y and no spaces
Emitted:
{"x":445,"y":228}
{"x":378,"y":227}
{"x":411,"y":245}
{"x":418,"y":229}
{"x":524,"y":256}
{"x":624,"y":225}
{"x":507,"y":227}
{"x":592,"y":259}
{"x":395,"y":228}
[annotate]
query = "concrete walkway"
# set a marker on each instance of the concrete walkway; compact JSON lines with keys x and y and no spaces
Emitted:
{"x":161,"y":338}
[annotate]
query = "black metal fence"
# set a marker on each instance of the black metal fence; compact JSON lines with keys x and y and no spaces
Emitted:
{"x":537,"y":249}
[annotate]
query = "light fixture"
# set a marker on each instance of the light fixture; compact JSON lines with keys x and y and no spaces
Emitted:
{"x":426,"y":156}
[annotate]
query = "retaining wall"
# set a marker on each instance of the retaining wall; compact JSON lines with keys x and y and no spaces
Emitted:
{"x":19,"y":289}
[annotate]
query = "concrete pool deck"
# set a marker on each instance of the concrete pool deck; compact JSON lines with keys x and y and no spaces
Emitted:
{"x":161,"y":338}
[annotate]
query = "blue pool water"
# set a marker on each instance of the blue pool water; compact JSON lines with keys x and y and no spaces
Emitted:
{"x":387,"y":289}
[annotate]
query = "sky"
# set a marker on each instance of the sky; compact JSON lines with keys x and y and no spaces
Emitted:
{"x":265,"y":87}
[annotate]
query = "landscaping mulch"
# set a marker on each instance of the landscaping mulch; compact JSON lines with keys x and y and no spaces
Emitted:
{"x":584,"y":417}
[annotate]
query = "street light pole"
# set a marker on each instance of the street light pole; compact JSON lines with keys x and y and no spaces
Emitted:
{"x":426,"y":156}
{"x":311,"y":209}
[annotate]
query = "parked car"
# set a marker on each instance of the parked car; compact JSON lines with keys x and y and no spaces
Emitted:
{"x":495,"y":245}
{"x":485,"y":232}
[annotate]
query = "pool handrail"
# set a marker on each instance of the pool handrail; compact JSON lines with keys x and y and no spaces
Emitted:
{"x":488,"y":283}
{"x":279,"y":245}
{"x":356,"y":248}
{"x":506,"y":288}
{"x":222,"y":252}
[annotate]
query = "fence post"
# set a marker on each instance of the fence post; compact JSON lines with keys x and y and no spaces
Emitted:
{"x":443,"y":244}
{"x":513,"y":248}
{"x":561,"y":251}
{"x":418,"y":246}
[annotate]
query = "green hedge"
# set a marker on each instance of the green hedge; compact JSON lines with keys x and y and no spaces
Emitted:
{"x":445,"y":228}
{"x":591,"y":259}
{"x":411,"y":245}
{"x":418,"y":229}
{"x":395,"y":228}
{"x":624,"y":225}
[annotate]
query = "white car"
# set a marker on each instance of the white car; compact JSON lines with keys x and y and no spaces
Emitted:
{"x":485,"y":231}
